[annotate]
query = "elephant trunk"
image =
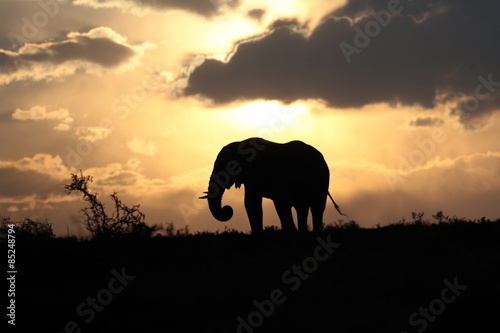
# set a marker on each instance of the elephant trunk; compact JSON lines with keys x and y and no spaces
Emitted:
{"x":222,"y":214}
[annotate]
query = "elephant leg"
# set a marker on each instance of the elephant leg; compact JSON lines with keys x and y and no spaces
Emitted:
{"x":317,"y":210}
{"x":302,"y":212}
{"x":284,"y":211}
{"x":253,"y":206}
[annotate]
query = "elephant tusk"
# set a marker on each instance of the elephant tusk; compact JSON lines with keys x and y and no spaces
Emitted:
{"x":203,"y":197}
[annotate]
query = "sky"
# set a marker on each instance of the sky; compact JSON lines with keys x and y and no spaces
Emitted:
{"x":401,"y":97}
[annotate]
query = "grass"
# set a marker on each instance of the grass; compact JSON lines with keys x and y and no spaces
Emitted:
{"x":202,"y":282}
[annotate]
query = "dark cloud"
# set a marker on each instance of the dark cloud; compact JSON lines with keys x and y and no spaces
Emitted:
{"x":418,"y":9}
{"x":102,"y":51}
{"x":124,"y":178}
{"x":202,"y":7}
{"x":290,"y":23}
{"x":427,"y":122}
{"x":100,"y":48}
{"x":7,"y":63}
{"x":474,"y":111}
{"x":427,"y":52}
{"x":15,"y":183}
{"x":256,"y":14}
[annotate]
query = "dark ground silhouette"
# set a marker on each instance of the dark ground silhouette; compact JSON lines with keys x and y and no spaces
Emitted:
{"x":373,"y":282}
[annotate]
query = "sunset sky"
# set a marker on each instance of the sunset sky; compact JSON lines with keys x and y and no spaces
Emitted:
{"x":401,"y":97}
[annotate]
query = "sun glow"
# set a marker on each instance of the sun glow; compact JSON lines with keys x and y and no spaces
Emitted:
{"x":282,"y":8}
{"x":270,"y":114}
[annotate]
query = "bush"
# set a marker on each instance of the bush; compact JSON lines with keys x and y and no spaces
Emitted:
{"x":343,"y":225}
{"x":123,"y":221}
{"x":28,"y":227}
{"x":169,"y":231}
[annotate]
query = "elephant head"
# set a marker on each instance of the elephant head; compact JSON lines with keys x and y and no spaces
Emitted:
{"x":229,"y":170}
{"x":225,"y":174}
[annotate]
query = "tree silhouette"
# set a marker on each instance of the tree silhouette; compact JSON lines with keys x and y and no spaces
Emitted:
{"x":123,"y":220}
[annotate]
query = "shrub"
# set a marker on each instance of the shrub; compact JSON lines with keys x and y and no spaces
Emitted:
{"x":170,"y":231}
{"x":28,"y":227}
{"x":124,"y":220}
{"x":441,"y":218}
{"x":342,"y":225}
{"x":418,"y":218}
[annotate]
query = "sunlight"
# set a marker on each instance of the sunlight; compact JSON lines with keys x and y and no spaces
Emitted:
{"x":256,"y":114}
{"x":282,"y":8}
{"x":267,"y":114}
{"x":222,"y":36}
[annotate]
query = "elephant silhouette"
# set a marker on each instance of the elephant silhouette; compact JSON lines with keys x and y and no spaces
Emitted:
{"x":292,"y":174}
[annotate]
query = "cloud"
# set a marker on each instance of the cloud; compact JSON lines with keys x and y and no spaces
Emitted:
{"x":32,"y":202}
{"x":33,"y":184}
{"x":427,"y":122}
{"x":256,"y":14}
{"x":51,"y":167}
{"x":38,"y":112}
{"x":205,"y":8}
{"x":92,"y":134}
{"x":418,"y":10}
{"x":125,"y":178}
{"x":36,"y":183}
{"x":464,"y":185}
{"x":95,"y":52}
{"x":141,"y":147}
{"x":426,"y":53}
{"x":42,"y":163}
{"x":62,"y":127}
{"x":481,"y":163}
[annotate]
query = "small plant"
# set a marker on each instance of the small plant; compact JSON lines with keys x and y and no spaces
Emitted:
{"x":29,"y":227}
{"x":271,"y":228}
{"x":171,"y":232}
{"x":123,"y":221}
{"x":441,"y":218}
{"x":343,"y":225}
{"x":418,"y":218}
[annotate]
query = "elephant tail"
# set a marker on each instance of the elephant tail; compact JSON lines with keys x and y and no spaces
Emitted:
{"x":337,"y":207}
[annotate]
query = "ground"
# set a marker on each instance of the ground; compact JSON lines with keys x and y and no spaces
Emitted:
{"x":413,"y":278}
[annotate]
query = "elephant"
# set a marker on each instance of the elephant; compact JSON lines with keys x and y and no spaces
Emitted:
{"x":292,"y":174}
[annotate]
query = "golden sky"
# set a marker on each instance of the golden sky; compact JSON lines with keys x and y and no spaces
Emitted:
{"x":400,"y":97}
